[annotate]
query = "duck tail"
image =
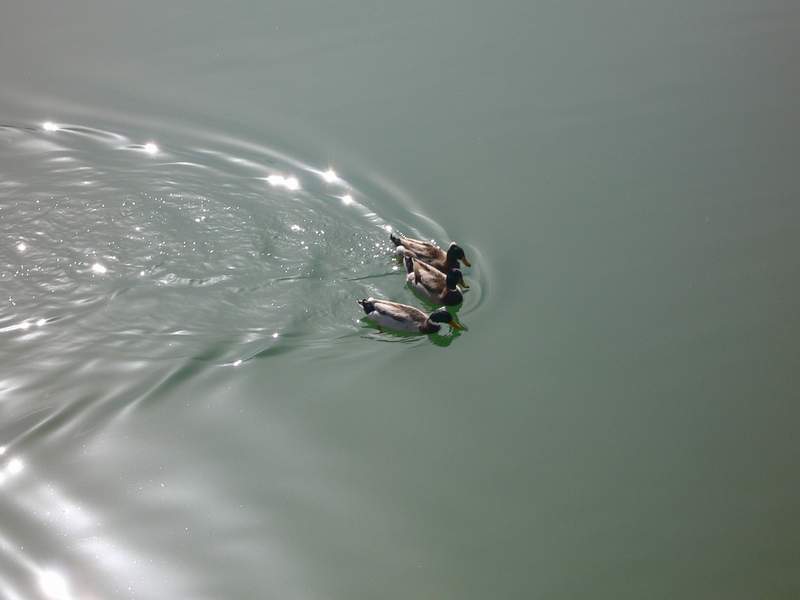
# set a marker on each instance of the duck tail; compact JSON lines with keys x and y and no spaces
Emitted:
{"x":395,"y":239}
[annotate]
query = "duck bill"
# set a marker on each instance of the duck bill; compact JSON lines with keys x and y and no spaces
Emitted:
{"x":456,"y":326}
{"x":463,"y":284}
{"x":465,"y":261}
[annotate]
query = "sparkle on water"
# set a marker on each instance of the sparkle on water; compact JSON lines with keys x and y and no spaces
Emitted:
{"x":49,"y":126}
{"x":15,"y":466}
{"x":150,"y":148}
{"x":99,"y":269}
{"x":54,"y":585}
{"x":330,"y":176}
{"x":290,"y":183}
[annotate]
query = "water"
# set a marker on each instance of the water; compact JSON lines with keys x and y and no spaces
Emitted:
{"x":189,"y":404}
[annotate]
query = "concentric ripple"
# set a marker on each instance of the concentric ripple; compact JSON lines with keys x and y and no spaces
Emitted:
{"x":164,"y":248}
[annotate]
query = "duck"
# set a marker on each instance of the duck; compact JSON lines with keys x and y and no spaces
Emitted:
{"x":401,"y":317}
{"x":433,"y":285}
{"x":430,"y":253}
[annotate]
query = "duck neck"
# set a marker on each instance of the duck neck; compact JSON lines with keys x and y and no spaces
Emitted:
{"x":451,"y":297}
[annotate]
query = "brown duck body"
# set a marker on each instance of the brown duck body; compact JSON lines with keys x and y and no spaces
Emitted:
{"x":433,"y":285}
{"x":430,"y":253}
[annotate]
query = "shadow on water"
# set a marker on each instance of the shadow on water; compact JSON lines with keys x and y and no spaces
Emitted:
{"x":378,"y":334}
{"x":443,"y":341}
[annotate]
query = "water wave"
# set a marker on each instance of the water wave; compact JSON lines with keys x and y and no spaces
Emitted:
{"x":160,"y":248}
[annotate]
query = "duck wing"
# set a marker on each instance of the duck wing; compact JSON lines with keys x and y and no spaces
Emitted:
{"x":421,"y":249}
{"x":417,"y":271}
{"x":429,"y":277}
{"x":402,"y":313}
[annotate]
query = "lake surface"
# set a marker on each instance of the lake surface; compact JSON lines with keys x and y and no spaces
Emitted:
{"x":194,"y":194}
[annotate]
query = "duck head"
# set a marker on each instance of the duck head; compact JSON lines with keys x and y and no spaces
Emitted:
{"x":455,"y":253}
{"x":442,"y":315}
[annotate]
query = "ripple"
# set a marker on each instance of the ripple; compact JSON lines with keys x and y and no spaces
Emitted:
{"x":142,"y":259}
{"x":224,"y":240}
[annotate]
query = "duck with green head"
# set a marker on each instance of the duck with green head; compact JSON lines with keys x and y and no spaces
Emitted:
{"x":430,"y":253}
{"x":401,"y":317}
{"x":434,"y":286}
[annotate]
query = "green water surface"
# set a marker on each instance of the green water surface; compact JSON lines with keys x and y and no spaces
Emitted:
{"x":189,"y":405}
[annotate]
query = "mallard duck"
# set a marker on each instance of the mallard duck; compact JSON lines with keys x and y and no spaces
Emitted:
{"x":401,"y":317}
{"x":430,"y":253}
{"x":433,"y":285}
